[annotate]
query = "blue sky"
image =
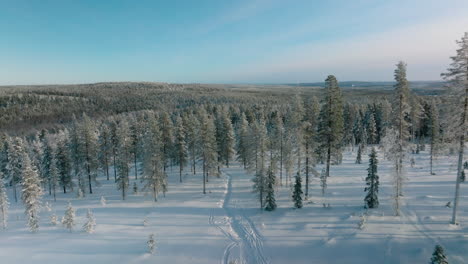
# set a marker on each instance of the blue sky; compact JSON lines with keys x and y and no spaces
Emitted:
{"x":218,"y":41}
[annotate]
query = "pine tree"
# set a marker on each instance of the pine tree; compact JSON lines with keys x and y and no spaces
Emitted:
{"x":270,"y":202}
{"x":297,"y":191}
{"x":68,"y":220}
{"x":180,"y":145}
{"x":105,"y":148}
{"x":457,"y":76}
{"x":330,"y":128}
{"x":259,"y":141}
{"x":243,"y":141}
{"x":89,"y":149}
{"x":154,"y":178}
{"x":192,"y":126}
{"x":359,"y":154}
{"x":90,"y":223}
{"x":4,"y":204}
{"x":372,"y":182}
{"x":76,"y":156}
{"x":438,"y":257}
{"x":15,"y":164}
{"x":63,"y":162}
{"x":208,"y":148}
{"x":151,"y":244}
{"x":227,"y":139}
{"x":53,"y":220}
{"x":167,"y":137}
{"x":309,"y":130}
{"x":323,"y":181}
{"x":123,"y":158}
{"x":31,"y":193}
{"x":401,"y":125}
{"x":434,"y":133}
{"x":371,"y":129}
{"x":135,"y":135}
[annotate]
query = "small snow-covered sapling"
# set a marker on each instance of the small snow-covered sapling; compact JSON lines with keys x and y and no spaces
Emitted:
{"x":151,"y":244}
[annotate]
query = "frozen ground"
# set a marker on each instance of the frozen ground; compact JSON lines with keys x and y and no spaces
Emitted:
{"x":226,"y":224}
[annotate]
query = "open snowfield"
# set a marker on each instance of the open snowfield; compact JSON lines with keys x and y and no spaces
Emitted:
{"x":226,"y":223}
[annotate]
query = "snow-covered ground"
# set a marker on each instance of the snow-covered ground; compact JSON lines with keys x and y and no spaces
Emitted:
{"x":226,"y":223}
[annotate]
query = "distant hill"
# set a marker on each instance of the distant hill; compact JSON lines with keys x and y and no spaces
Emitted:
{"x":417,"y":85}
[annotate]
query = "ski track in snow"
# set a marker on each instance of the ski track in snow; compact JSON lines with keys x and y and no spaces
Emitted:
{"x":240,"y":230}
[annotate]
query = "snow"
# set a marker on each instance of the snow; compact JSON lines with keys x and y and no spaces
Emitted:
{"x":226,"y":223}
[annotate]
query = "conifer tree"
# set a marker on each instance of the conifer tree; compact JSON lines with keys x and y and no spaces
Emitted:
{"x":359,"y":154}
{"x":180,"y":145}
{"x":68,"y":220}
{"x":192,"y":126}
{"x":76,"y":156}
{"x":123,"y":157}
{"x":270,"y":202}
{"x":4,"y":204}
{"x":434,"y":133}
{"x":401,"y":125}
{"x":438,"y":257}
{"x":63,"y":162}
{"x":309,"y":131}
{"x":457,"y":76}
{"x":297,"y":191}
{"x":330,"y":128}
{"x":90,"y":223}
{"x":14,"y":168}
{"x":167,"y":131}
{"x":372,"y":182}
{"x":135,"y":135}
{"x":227,"y":139}
{"x":89,"y":149}
{"x":243,"y":141}
{"x":208,"y":148}
{"x":31,"y":193}
{"x":151,"y":244}
{"x":105,"y":148}
{"x":154,"y":178}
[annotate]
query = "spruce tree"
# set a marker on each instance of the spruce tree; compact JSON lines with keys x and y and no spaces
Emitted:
{"x":135,"y":135}
{"x":243,"y":142}
{"x":208,"y":148}
{"x":31,"y":193}
{"x":270,"y":202}
{"x":105,"y":148}
{"x":90,"y":223}
{"x":297,"y":191}
{"x":180,"y":145}
{"x":372,"y":182}
{"x":331,"y":123}
{"x":227,"y":139}
{"x":457,"y":77}
{"x":359,"y":154}
{"x":123,"y":158}
{"x":63,"y":162}
{"x":434,"y":133}
{"x":438,"y":257}
{"x":89,"y":149}
{"x":154,"y":178}
{"x":192,"y":126}
{"x":15,"y":164}
{"x":151,"y":243}
{"x":4,"y":204}
{"x":167,"y":137}
{"x":68,"y":220}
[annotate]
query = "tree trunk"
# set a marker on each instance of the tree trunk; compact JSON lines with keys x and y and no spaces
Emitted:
{"x":460,"y":157}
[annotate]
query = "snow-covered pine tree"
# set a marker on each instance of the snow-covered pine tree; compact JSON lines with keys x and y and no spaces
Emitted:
{"x":276,"y":140}
{"x":167,"y":131}
{"x":53,"y":220}
{"x":103,"y":201}
{"x":297,"y":191}
{"x":154,"y":178}
{"x":208,"y":147}
{"x":63,"y":161}
{"x":457,"y":77}
{"x":323,"y":181}
{"x":15,"y":165}
{"x":227,"y":139}
{"x":105,"y":148}
{"x":401,"y":125}
{"x":151,"y":243}
{"x":309,"y":132}
{"x":75,"y":155}
{"x":123,"y":157}
{"x":192,"y":138}
{"x":270,"y":202}
{"x":259,"y":142}
{"x":68,"y":220}
{"x":180,"y":145}
{"x":434,"y":132}
{"x":89,"y":148}
{"x":31,"y":193}
{"x":90,"y":223}
{"x":371,"y":129}
{"x":372,"y":182}
{"x":135,"y":137}
{"x":46,"y":162}
{"x":330,"y":127}
{"x":243,"y":141}
{"x":438,"y":257}
{"x":4,"y":204}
